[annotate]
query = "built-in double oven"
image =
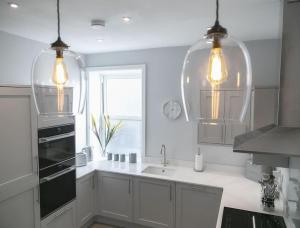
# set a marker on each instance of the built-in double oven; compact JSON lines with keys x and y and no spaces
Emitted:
{"x":56,"y":167}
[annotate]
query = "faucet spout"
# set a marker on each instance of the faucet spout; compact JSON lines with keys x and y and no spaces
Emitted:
{"x":163,"y":151}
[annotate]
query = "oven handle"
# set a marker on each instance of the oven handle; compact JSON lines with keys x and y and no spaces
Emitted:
{"x":53,"y":176}
{"x":56,"y":137}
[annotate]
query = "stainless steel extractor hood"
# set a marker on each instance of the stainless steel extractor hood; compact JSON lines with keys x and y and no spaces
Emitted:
{"x":284,"y":138}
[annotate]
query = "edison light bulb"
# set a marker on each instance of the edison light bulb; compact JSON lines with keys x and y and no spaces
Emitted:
{"x":217,"y":74}
{"x":60,"y":77}
{"x":217,"y":69}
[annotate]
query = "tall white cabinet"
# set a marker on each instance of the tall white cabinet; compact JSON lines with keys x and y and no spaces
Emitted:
{"x":19,"y":201}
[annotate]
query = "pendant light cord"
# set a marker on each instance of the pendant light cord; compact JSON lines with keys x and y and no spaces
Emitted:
{"x":217,"y":11}
{"x":58,"y":19}
{"x":59,"y":46}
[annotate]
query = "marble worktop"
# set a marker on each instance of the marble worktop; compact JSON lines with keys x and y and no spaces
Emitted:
{"x":238,"y":191}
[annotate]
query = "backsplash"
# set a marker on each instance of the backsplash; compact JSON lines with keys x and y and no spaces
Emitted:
{"x":291,"y":187}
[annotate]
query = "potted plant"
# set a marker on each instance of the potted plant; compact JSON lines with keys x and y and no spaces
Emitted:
{"x":105,"y":134}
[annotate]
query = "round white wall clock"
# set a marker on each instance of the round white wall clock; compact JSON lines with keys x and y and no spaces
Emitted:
{"x":172,"y":110}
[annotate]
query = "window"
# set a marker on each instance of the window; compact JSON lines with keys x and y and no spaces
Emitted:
{"x":119,"y":93}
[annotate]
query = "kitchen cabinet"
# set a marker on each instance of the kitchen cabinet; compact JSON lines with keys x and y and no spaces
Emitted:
{"x":233,"y":105}
{"x":49,"y":103}
{"x":211,"y":133}
{"x":18,"y":159}
{"x":21,"y":210}
{"x":64,"y":217}
{"x":261,"y":112}
{"x":154,"y":202}
{"x":264,"y":111}
{"x":206,"y":107}
{"x":86,"y":190}
{"x":233,"y":129}
{"x":197,"y":206}
{"x":115,"y":196}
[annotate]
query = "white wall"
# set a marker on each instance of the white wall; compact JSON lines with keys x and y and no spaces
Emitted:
{"x":265,"y":58}
{"x":163,"y":83}
{"x":17,"y":55}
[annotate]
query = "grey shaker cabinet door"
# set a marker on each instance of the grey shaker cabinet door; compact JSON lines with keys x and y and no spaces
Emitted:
{"x":211,"y":133}
{"x":234,"y":129}
{"x":233,"y":104}
{"x":154,"y":202}
{"x":85,"y":199}
{"x":224,"y":132}
{"x":18,"y":159}
{"x":206,"y":98}
{"x":21,"y":210}
{"x":115,"y":196}
{"x":197,"y":206}
{"x":18,"y":140}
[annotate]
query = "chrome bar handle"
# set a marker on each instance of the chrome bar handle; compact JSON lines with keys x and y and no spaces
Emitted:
{"x":93,"y":181}
{"x":129,"y":186}
{"x":51,"y":177}
{"x":170,"y":192}
{"x":39,"y":195}
{"x":37,"y":165}
{"x":253,"y":222}
{"x":56,"y":137}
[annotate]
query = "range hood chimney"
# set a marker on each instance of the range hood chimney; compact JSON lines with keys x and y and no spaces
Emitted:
{"x":284,"y":138}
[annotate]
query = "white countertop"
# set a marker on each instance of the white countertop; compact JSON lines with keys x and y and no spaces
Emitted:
{"x":238,"y":191}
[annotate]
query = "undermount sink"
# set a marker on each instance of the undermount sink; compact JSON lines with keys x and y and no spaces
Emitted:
{"x":159,"y":171}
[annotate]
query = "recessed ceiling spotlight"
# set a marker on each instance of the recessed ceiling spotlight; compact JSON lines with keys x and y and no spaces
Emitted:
{"x":126,"y":19}
{"x":97,"y":24}
{"x":13,"y":5}
{"x":100,"y":40}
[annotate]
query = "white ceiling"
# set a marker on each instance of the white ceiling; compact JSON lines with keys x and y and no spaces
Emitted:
{"x":155,"y":23}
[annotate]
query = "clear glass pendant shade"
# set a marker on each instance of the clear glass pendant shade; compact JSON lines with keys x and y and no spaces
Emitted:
{"x":215,"y":76}
{"x":58,"y":83}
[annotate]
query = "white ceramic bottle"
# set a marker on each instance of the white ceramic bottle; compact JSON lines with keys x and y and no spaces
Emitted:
{"x":199,"y":162}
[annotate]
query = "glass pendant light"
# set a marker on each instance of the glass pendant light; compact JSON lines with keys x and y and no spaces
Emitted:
{"x":58,"y":79}
{"x":216,"y":72}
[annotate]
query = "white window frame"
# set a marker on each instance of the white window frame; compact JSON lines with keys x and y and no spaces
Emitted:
{"x":141,"y":67}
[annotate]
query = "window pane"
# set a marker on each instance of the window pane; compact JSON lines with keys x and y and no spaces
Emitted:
{"x":119,"y":95}
{"x":128,"y":139}
{"x":124,"y":97}
{"x":94,"y":94}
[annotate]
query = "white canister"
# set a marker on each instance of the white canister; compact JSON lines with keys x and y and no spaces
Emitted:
{"x":199,"y":162}
{"x":81,"y":159}
{"x":89,"y":153}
